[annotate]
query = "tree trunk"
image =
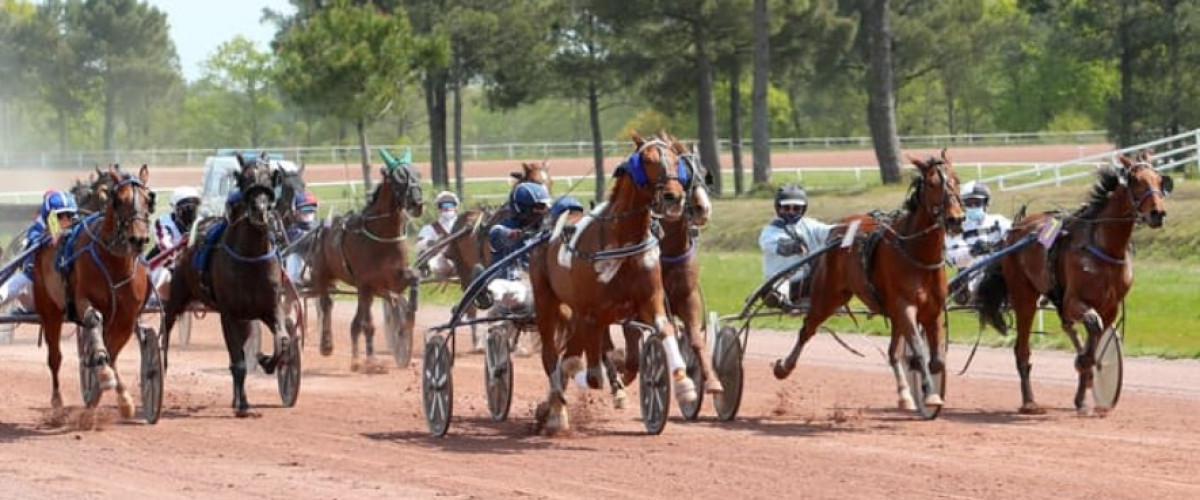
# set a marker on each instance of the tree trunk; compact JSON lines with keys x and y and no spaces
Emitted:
{"x":760,"y":121}
{"x":881,"y":90}
{"x":458,"y":163}
{"x":735,"y":127}
{"x":597,"y":139}
{"x":435,"y":106}
{"x":109,"y":109}
{"x":364,"y":154}
{"x":1125,"y":110}
{"x":706,"y":109}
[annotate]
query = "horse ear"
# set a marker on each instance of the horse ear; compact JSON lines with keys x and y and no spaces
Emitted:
{"x":915,"y":161}
{"x":637,"y":138}
{"x":1125,"y":161}
{"x":301,"y":169}
{"x":114,"y":172}
{"x":945,"y":157}
{"x":144,"y":174}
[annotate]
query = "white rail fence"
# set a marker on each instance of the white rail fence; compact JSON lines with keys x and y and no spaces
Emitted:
{"x":350,"y":153}
{"x":1170,"y":153}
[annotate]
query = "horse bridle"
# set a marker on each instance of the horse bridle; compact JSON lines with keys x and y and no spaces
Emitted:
{"x":666,"y":174}
{"x":1136,"y":202}
{"x":124,"y":218}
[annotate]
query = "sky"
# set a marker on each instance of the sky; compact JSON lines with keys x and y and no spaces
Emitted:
{"x":198,"y":27}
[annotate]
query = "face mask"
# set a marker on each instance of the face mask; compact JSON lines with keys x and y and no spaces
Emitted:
{"x":447,"y":216}
{"x":308,"y":217}
{"x":975,"y":215}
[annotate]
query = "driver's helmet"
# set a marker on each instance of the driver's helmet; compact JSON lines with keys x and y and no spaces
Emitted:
{"x":55,"y":203}
{"x":791,"y":194}
{"x":446,"y":200}
{"x":307,"y":202}
{"x":186,"y":193}
{"x":529,"y":197}
{"x":975,"y":190}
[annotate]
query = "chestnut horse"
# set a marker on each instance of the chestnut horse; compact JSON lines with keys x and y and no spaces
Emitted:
{"x":1085,"y":273}
{"x":680,"y":276}
{"x":240,"y":276}
{"x":607,"y":272}
{"x":895,"y":267}
{"x":105,"y":285}
{"x":367,"y":250}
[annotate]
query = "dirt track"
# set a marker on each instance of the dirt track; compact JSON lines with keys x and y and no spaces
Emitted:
{"x":828,"y":432}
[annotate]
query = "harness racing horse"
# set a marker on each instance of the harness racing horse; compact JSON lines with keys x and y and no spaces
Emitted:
{"x":234,"y":270}
{"x":681,"y":279}
{"x":895,"y":266}
{"x":95,"y":277}
{"x":606,"y":272}
{"x":1085,"y":272}
{"x":367,"y":250}
{"x":291,"y":185}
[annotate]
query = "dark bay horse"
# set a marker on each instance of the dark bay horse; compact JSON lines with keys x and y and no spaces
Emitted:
{"x":1086,"y":271}
{"x":367,"y":250}
{"x":238,"y":274}
{"x":608,"y":272}
{"x":895,"y":267}
{"x":105,"y":286}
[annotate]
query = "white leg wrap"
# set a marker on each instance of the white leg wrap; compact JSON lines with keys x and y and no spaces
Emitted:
{"x":674,"y":358}
{"x":581,"y":379}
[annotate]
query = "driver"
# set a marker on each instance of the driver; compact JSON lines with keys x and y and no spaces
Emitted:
{"x":982,"y":233}
{"x":171,"y":230}
{"x":786,"y":240}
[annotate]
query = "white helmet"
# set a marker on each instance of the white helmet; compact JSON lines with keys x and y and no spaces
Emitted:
{"x":446,"y":196}
{"x":184,"y":193}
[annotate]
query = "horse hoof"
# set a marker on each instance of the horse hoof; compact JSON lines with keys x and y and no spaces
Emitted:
{"x":779,"y":371}
{"x":906,"y":403}
{"x":326,"y":346}
{"x":106,"y":378}
{"x":1032,"y":409}
{"x":619,"y":397}
{"x":375,"y":367}
{"x":125,"y":405}
{"x":713,"y":386}
{"x":355,"y":366}
{"x":246,"y":413}
{"x":934,"y":400}
{"x":557,"y":421}
{"x":56,"y":401}
{"x":685,"y":389}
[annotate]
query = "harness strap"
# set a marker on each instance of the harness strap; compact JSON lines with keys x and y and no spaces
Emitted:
{"x":616,"y":253}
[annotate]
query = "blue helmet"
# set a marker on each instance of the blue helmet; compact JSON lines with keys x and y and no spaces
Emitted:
{"x":527,"y":196}
{"x":55,"y":202}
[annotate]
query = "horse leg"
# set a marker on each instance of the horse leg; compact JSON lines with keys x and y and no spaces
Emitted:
{"x":1024,"y":310}
{"x":821,"y":307}
{"x":903,"y":325}
{"x":93,"y":326}
{"x":632,"y":354}
{"x":279,"y":336}
{"x":610,"y":368}
{"x":53,"y":331}
{"x":550,"y":414}
{"x":693,"y":325}
{"x":1085,"y":362}
{"x":685,"y":389}
{"x":124,"y":398}
{"x":236,"y":332}
{"x":934,"y":364}
{"x":373,"y":366}
{"x":325,"y":302}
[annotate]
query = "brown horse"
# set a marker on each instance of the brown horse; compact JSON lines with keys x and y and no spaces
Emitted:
{"x":533,"y":172}
{"x":240,"y":277}
{"x":1085,"y":273}
{"x":105,"y":286}
{"x":367,"y":250}
{"x":608,"y":272}
{"x":895,"y":267}
{"x":680,"y":276}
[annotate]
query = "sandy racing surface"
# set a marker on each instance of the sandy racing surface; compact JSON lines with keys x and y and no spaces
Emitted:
{"x":828,"y":431}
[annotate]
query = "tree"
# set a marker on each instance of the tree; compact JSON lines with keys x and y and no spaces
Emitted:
{"x":245,"y":75}
{"x":760,"y":130}
{"x":881,"y":90}
{"x":130,"y":53}
{"x":347,"y":61}
{"x":51,"y":48}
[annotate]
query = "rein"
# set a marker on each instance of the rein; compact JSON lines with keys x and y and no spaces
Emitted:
{"x":90,"y":249}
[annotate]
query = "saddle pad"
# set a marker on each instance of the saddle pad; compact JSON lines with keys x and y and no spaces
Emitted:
{"x":201,"y":258}
{"x":64,"y":257}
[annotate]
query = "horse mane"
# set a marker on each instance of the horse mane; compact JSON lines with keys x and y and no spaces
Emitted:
{"x":1107,"y":181}
{"x":913,"y":201}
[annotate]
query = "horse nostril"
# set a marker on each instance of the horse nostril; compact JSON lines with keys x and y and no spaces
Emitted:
{"x":671,"y":196}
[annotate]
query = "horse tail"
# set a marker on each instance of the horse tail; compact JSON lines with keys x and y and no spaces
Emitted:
{"x":991,"y":298}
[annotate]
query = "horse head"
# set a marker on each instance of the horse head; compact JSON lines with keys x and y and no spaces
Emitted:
{"x":698,"y":206}
{"x":403,"y":182}
{"x":290,"y":186}
{"x":1147,"y":188}
{"x":533,"y":172}
{"x":655,"y":166}
{"x":130,"y":204}
{"x":935,"y":191}
{"x":258,"y":185}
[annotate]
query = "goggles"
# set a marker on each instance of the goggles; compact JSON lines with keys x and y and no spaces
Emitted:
{"x":447,"y":205}
{"x":974,"y":202}
{"x":791,"y":208}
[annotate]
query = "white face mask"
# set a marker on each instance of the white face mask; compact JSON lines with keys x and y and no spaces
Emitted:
{"x":308,"y":216}
{"x":975,"y":214}
{"x":447,"y":217}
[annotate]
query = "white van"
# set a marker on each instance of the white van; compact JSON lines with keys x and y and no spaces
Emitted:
{"x":219,"y":178}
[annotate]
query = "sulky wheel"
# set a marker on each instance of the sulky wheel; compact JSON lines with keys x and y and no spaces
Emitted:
{"x":151,"y":374}
{"x":727,"y":363}
{"x":498,"y":375}
{"x":916,"y":353}
{"x":1108,"y":370}
{"x":89,"y":383}
{"x":399,"y":331}
{"x":437,"y":386}
{"x":655,"y":385}
{"x":691,"y":362}
{"x":287,"y":373}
